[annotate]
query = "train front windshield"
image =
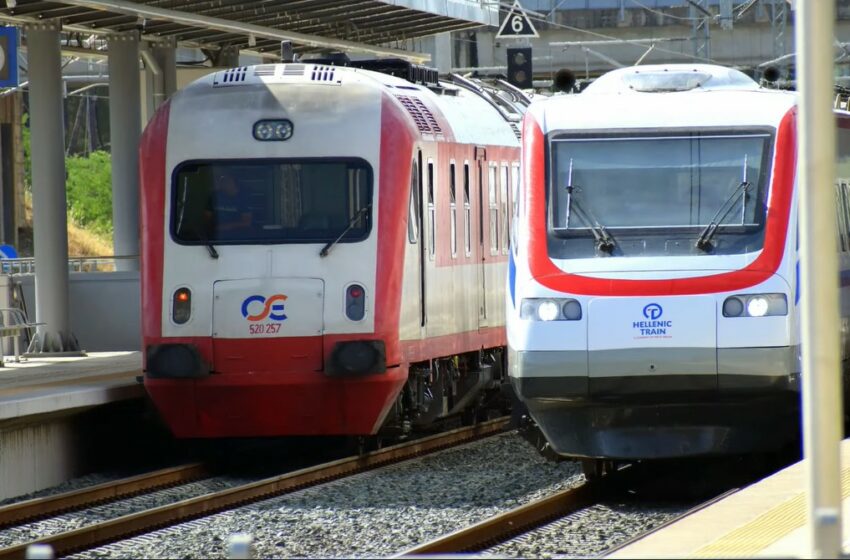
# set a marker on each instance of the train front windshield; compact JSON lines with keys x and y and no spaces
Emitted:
{"x":658,"y":194}
{"x":271,"y":201}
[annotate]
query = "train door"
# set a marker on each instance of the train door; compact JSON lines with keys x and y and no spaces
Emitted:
{"x":481,"y":157}
{"x":420,"y":194}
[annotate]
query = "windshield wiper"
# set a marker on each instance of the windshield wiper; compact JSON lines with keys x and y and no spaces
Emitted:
{"x":704,"y":239}
{"x":327,"y":248}
{"x":604,"y":242}
{"x":211,"y":249}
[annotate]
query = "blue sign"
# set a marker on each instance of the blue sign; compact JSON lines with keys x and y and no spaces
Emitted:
{"x":652,"y":311}
{"x":8,"y":56}
{"x":8,"y":252}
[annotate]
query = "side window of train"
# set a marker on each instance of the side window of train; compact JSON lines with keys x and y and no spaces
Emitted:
{"x":413,"y":211}
{"x":453,"y":206}
{"x":494,"y":211}
{"x":503,"y":203}
{"x":432,"y":214}
{"x":514,"y":201}
{"x":467,"y":212}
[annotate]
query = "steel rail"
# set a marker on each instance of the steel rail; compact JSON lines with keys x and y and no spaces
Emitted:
{"x":40,"y":508}
{"x":675,"y":519}
{"x":525,"y":518}
{"x":185,"y":510}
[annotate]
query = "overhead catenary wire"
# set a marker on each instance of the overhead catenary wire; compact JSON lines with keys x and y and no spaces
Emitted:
{"x":540,"y":18}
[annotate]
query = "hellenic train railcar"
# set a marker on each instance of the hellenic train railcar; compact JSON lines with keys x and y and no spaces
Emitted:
{"x":653,"y":297}
{"x":324,"y":248}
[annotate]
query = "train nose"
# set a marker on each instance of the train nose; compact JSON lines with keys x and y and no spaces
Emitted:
{"x":652,"y":345}
{"x":268,"y":321}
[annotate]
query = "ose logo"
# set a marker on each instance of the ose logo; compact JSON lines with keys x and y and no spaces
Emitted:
{"x":652,"y":311}
{"x":271,"y":307}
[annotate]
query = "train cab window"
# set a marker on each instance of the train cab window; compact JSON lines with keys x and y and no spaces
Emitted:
{"x":701,"y":193}
{"x":467,"y":212}
{"x":503,"y":207}
{"x":453,"y":207}
{"x":413,"y":210}
{"x":494,"y":211}
{"x":271,"y":201}
{"x":432,"y":213}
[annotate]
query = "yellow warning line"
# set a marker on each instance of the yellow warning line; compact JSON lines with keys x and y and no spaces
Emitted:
{"x":750,"y":539}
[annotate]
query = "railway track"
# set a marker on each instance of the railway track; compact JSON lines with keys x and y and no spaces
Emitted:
{"x":528,"y":517}
{"x":185,"y":510}
{"x":524,"y":520}
{"x":42,"y":508}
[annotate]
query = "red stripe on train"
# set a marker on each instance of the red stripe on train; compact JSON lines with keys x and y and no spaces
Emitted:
{"x":545,"y":272}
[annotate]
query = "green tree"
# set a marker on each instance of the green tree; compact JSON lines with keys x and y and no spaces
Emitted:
{"x":90,"y":191}
{"x":89,"y":186}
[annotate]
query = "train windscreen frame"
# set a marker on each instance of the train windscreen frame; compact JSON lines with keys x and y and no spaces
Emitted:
{"x":271,"y":201}
{"x":656,"y":192}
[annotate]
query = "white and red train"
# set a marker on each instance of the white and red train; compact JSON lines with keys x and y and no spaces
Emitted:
{"x":653,"y":295}
{"x":324,"y":249}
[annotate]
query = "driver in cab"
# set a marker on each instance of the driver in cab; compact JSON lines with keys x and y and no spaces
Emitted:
{"x":228,"y":209}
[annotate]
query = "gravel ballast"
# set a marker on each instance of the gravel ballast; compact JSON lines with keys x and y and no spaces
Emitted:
{"x":98,"y":514}
{"x":589,"y":532}
{"x":376,"y":513}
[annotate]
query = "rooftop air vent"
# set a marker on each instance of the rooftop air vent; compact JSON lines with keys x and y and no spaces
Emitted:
{"x":233,"y":75}
{"x":293,"y":69}
{"x":422,"y":116}
{"x":515,"y":128}
{"x":323,"y":73}
{"x":265,"y":70}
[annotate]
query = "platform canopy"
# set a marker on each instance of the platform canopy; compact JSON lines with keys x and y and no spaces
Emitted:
{"x":355,"y":26}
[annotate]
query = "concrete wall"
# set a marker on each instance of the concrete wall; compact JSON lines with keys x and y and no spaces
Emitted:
{"x":105,"y":309}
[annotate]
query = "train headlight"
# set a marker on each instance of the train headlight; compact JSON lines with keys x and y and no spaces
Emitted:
{"x":733,"y":307}
{"x":572,"y":310}
{"x":550,"y":309}
{"x":355,"y":302}
{"x":181,"y":306}
{"x":269,"y":130}
{"x":755,"y":305}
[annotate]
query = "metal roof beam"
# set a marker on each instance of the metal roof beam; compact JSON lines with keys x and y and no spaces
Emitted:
{"x":327,"y":22}
{"x":132,"y":8}
{"x":42,"y":12}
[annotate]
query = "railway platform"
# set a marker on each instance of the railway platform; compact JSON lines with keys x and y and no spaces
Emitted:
{"x":766,"y":519}
{"x":55,"y":411}
{"x":42,"y":385}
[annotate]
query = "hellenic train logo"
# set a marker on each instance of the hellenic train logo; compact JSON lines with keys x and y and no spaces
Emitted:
{"x":653,"y":311}
{"x":653,"y":327}
{"x":272,"y":307}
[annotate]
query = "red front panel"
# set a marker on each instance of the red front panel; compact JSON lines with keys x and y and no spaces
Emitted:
{"x":276,"y":403}
{"x":283,"y":355}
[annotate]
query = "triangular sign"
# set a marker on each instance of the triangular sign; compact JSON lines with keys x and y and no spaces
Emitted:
{"x":517,"y":24}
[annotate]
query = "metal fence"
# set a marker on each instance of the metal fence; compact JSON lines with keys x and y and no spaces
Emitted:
{"x":75,"y":264}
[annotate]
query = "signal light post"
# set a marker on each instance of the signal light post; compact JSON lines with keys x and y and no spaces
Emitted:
{"x":519,"y":67}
